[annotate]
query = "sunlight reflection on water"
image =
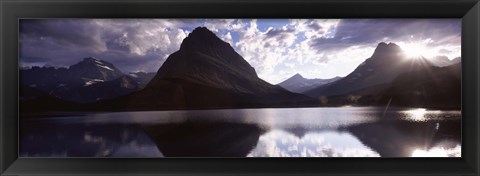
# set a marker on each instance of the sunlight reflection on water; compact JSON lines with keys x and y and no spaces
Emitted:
{"x":438,"y":152}
{"x":417,"y":115}
{"x":422,"y":114}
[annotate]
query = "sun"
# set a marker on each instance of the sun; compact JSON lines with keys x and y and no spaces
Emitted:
{"x":415,"y":50}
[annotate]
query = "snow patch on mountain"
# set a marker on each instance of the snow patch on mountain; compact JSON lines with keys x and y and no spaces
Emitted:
{"x":105,"y":67}
{"x":93,"y":81}
{"x":133,"y":75}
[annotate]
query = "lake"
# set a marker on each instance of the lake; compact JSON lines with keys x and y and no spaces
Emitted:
{"x":268,"y":132}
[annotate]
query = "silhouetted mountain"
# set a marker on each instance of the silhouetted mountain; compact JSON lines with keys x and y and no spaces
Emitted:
{"x":298,"y":84}
{"x":86,"y":81}
{"x":205,"y":59}
{"x":207,"y":73}
{"x":387,"y":62}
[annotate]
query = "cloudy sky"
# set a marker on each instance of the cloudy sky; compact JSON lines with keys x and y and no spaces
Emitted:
{"x":276,"y":48}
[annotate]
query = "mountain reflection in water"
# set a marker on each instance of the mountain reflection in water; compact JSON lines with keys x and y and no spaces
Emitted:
{"x":402,"y":138}
{"x":44,"y":138}
{"x":285,"y":132}
{"x":194,"y":139}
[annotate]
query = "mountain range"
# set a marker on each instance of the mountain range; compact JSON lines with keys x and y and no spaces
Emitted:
{"x":207,"y":72}
{"x":89,"y":80}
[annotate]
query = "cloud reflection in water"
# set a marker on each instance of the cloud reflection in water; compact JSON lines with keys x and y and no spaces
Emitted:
{"x":279,"y":143}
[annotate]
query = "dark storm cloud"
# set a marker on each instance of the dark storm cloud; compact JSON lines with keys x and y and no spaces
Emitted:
{"x":129,"y":44}
{"x":351,"y":32}
{"x":70,"y":33}
{"x":128,"y":62}
{"x":59,"y":42}
{"x":273,"y":32}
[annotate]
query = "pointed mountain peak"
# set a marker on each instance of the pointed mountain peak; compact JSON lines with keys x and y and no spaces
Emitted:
{"x":93,"y":61}
{"x":298,"y":75}
{"x":202,"y":33}
{"x":201,"y":36}
{"x":201,"y":30}
{"x":295,"y":78}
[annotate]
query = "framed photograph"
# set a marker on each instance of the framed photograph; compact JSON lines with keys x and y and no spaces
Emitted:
{"x":224,"y":87}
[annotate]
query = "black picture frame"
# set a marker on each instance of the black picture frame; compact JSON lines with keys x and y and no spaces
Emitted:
{"x":12,"y":10}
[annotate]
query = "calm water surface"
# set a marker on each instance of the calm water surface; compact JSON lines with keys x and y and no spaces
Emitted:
{"x":279,"y":132}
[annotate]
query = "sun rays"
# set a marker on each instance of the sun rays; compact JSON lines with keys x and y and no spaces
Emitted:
{"x":417,"y":50}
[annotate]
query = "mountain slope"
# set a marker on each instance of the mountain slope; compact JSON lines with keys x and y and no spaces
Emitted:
{"x":142,"y":78}
{"x":433,"y":87}
{"x":298,"y":84}
{"x":456,"y":60}
{"x":102,"y":90}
